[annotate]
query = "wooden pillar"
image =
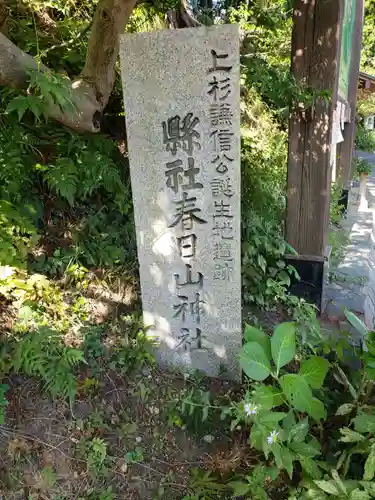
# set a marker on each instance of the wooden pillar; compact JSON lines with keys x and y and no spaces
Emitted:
{"x":315,"y":58}
{"x":315,"y":46}
{"x":345,"y":152}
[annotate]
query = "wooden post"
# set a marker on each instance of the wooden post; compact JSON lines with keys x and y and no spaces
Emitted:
{"x":315,"y":58}
{"x":314,"y":61}
{"x":345,"y":150}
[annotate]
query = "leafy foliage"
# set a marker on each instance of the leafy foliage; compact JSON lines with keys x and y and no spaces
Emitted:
{"x":264,"y":164}
{"x":365,"y":139}
{"x":297,"y":392}
{"x":362,"y":166}
{"x":46,"y":90}
{"x":365,"y":103}
{"x":42,"y":354}
{"x":368,"y":39}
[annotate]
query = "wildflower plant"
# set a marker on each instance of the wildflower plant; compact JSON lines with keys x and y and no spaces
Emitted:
{"x":283,"y":401}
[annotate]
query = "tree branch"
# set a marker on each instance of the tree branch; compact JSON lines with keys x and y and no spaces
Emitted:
{"x":183,"y":18}
{"x":91,"y":90}
{"x":187,"y":15}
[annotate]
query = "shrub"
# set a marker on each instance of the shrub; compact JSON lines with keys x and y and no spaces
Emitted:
{"x":365,"y":139}
{"x":314,"y":409}
{"x":264,"y":167}
{"x":362,"y":166}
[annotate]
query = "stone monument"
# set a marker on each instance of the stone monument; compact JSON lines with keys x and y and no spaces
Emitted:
{"x":182,"y":109}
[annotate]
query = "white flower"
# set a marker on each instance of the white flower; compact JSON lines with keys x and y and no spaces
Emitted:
{"x":5,"y":272}
{"x":250,"y":409}
{"x":272,"y":438}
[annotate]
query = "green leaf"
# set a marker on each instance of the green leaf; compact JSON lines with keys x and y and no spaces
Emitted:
{"x":284,"y":278}
{"x":349,"y":436}
{"x":252,"y":334}
{"x":356,"y":322}
{"x":370,"y":465}
{"x":315,"y":370}
{"x":18,"y":104}
{"x":239,"y":488}
{"x":267,"y":397}
{"x":358,"y":494}
{"x":317,"y":411}
{"x":256,"y":438}
{"x":304,"y":449}
{"x":339,"y":481}
{"x":341,"y":377}
{"x":288,"y":423}
{"x":345,"y":409}
{"x":369,"y":486}
{"x":254,"y":361}
{"x":271,"y":472}
{"x":329,"y":487}
{"x":297,"y":392}
{"x":262,"y":263}
{"x":310,"y":467}
{"x":315,"y":444}
{"x":315,"y":495}
{"x":287,"y":460}
{"x":283,"y":345}
{"x":134,"y":456}
{"x":272,"y":418}
{"x":276,"y":450}
{"x":299,"y":431}
{"x":63,"y":177}
{"x":364,"y":423}
{"x":35,"y":105}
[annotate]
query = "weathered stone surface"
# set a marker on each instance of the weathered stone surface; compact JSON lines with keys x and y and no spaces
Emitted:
{"x":184,"y":84}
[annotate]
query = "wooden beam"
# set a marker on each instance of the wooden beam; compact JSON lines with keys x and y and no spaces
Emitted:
{"x":315,"y":49}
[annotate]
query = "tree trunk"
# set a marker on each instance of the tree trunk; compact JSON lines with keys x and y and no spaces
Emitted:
{"x":109,"y":22}
{"x":91,"y":90}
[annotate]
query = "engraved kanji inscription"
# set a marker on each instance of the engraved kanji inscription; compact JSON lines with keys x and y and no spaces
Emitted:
{"x":188,"y":341}
{"x":188,"y":278}
{"x":222,"y":209}
{"x":181,"y":134}
{"x":223,"y":228}
{"x":181,"y":309}
{"x":222,"y":162}
{"x":186,"y":213}
{"x":222,"y":139}
{"x":221,"y":186}
{"x":223,"y":251}
{"x":175,"y":175}
{"x":223,"y":272}
{"x":216,"y":62}
{"x":194,"y":308}
{"x":220,"y":114}
{"x":190,"y":174}
{"x":219,"y":89}
{"x":187,"y":245}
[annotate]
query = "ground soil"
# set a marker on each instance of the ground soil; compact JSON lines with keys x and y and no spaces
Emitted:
{"x":127,"y":413}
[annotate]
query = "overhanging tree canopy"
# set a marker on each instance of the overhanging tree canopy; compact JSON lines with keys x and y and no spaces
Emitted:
{"x":91,"y":89}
